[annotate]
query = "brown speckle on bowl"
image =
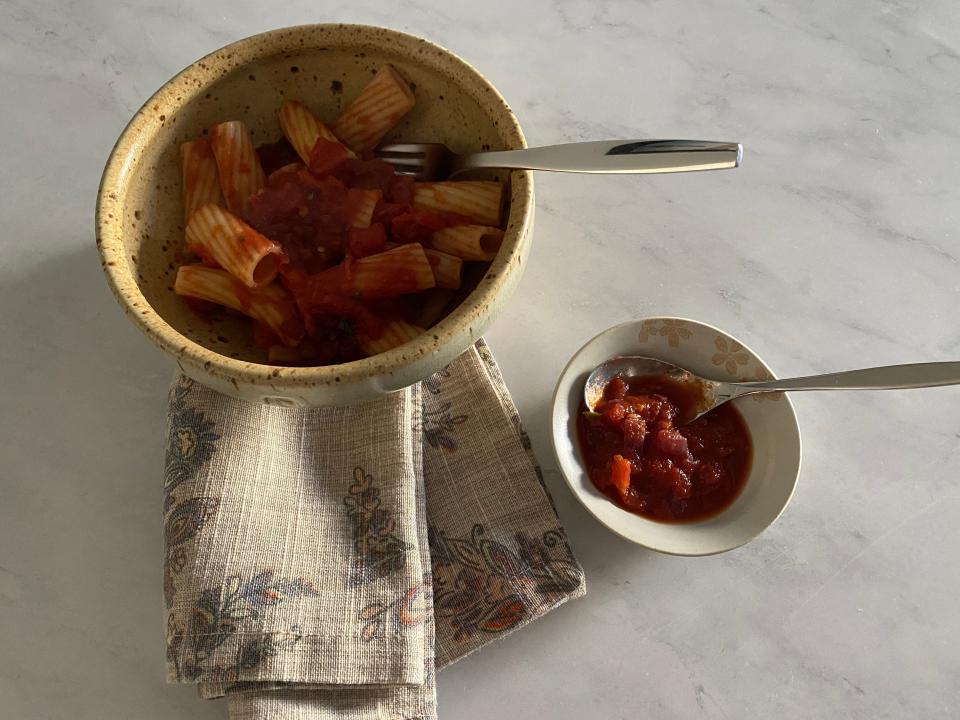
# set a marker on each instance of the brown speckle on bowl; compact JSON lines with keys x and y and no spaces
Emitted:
{"x":336,"y":87}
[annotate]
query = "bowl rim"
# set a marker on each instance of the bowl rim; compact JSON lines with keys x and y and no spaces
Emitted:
{"x":121,"y":277}
{"x":556,"y":409}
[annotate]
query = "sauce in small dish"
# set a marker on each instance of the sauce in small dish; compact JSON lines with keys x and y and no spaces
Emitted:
{"x":638,"y":457}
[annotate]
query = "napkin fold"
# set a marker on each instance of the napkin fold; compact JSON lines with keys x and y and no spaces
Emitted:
{"x":324,"y":562}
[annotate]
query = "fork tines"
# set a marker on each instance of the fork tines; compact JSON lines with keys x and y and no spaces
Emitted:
{"x":417,"y":159}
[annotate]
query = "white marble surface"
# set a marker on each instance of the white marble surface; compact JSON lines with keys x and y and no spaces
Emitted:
{"x":835,"y":245}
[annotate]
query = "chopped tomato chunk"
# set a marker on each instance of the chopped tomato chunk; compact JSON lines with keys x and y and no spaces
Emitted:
{"x":635,"y":453}
{"x":620,"y":469}
{"x":327,"y":156}
{"x":366,"y":241}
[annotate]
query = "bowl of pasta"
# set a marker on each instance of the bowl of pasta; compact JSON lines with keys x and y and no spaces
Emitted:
{"x":246,"y":226}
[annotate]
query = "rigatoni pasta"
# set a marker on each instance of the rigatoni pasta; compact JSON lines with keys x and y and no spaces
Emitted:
{"x":223,"y":239}
{"x":271,"y":305}
{"x":394,"y":334}
{"x":470,"y":242}
{"x":378,"y":107}
{"x":447,"y":269}
{"x":238,"y":166}
{"x":201,"y":181}
{"x":302,"y":129}
{"x":478,"y":200}
{"x":400,"y":271}
{"x":360,"y":206}
{"x":333,"y":254}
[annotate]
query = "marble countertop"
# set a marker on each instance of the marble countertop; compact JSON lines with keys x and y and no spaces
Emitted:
{"x":834,"y":246}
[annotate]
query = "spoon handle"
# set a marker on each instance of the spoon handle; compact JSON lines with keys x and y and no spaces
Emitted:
{"x":892,"y":377}
{"x":615,"y":156}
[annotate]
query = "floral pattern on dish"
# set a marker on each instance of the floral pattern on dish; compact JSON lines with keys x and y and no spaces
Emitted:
{"x":675,"y":331}
{"x":730,"y":355}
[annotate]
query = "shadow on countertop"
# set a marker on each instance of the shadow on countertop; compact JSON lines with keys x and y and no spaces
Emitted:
{"x":81,"y":543}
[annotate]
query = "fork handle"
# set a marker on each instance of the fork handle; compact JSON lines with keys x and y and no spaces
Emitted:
{"x":613,"y":156}
{"x":892,"y":377}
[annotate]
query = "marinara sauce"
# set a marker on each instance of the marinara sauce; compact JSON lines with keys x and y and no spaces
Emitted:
{"x":309,"y":212}
{"x":636,"y":455}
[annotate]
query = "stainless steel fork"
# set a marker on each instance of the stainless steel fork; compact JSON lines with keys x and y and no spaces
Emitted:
{"x":435,"y":161}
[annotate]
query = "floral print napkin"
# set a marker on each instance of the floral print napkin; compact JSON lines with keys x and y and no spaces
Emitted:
{"x":323,"y":562}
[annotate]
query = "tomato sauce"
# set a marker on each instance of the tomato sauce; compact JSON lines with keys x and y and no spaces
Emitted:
{"x":637,"y":456}
{"x":309,"y":212}
{"x":274,"y":156}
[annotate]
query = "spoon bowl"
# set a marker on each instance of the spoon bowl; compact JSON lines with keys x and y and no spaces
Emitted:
{"x":640,"y":366}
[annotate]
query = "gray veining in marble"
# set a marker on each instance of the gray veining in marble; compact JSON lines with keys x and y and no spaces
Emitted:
{"x":834,"y":246}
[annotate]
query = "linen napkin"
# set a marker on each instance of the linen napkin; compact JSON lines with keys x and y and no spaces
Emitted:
{"x":323,"y":562}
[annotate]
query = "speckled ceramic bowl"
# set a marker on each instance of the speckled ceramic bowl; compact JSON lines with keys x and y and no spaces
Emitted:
{"x":711,"y":353}
{"x":140,"y":213}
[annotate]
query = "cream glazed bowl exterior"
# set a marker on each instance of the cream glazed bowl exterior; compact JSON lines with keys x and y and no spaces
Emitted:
{"x":711,"y":353}
{"x":139,"y":217}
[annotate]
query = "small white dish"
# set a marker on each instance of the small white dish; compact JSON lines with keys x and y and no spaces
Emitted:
{"x":710,"y":353}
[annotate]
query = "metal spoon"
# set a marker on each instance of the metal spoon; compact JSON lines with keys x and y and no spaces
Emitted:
{"x":715,"y":392}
